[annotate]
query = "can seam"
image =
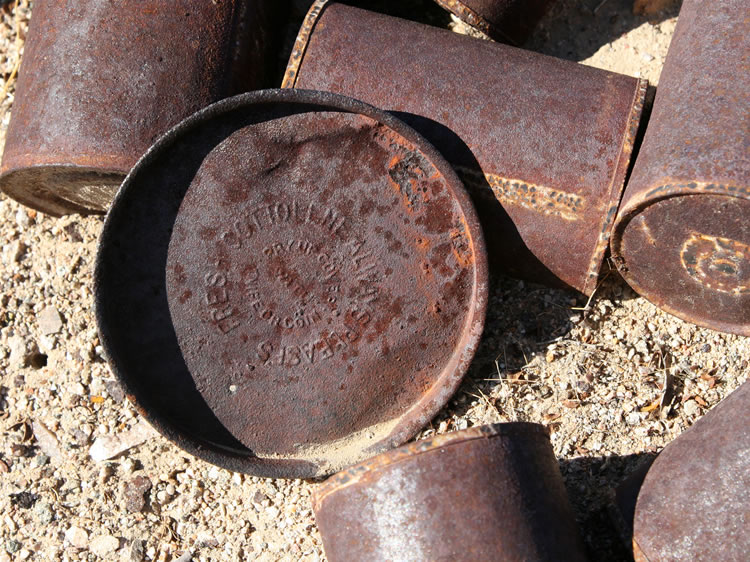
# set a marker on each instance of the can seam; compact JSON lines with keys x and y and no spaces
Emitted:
{"x":475,"y":20}
{"x":616,"y":188}
{"x":301,"y":42}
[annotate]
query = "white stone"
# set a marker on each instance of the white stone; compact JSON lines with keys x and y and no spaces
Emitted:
{"x":49,"y":320}
{"x":109,"y":446}
{"x":77,"y":537}
{"x":104,"y":545}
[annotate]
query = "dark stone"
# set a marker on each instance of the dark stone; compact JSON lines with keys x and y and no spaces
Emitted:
{"x":135,"y":493}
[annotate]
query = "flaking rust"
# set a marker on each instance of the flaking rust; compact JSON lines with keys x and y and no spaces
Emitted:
{"x":694,"y":501}
{"x":509,"y":21}
{"x":279,"y":266}
{"x":100,"y":81}
{"x":682,"y":237}
{"x":542,"y":144}
{"x":486,"y":493}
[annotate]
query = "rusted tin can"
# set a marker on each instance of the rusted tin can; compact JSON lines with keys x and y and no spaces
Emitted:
{"x":694,"y":502}
{"x":290,"y":282}
{"x":100,"y":81}
{"x":486,"y":493}
{"x":509,"y":21}
{"x":682,"y":238}
{"x":542,"y":144}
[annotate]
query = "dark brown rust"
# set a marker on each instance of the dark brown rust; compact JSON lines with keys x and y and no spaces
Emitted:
{"x":509,"y":21}
{"x":290,"y":282}
{"x":542,"y":144}
{"x":682,"y":238}
{"x":100,"y":81}
{"x":694,"y":503}
{"x":487,"y":493}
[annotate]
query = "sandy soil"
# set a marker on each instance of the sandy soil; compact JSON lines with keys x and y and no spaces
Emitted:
{"x":615,"y":379}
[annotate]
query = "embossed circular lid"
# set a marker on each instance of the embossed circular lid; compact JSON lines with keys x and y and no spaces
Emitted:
{"x":290,"y":282}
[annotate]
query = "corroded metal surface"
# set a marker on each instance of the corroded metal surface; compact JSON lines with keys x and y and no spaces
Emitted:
{"x":486,"y":493}
{"x":290,"y":282}
{"x":510,"y":21}
{"x":542,"y":144}
{"x":100,"y":81}
{"x":694,"y":503}
{"x":682,"y":238}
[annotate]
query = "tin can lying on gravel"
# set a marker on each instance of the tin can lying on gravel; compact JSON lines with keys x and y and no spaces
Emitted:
{"x":682,"y":238}
{"x":694,"y":502}
{"x":290,"y":282}
{"x":100,"y":81}
{"x":542,"y":144}
{"x":486,"y":493}
{"x":509,"y":21}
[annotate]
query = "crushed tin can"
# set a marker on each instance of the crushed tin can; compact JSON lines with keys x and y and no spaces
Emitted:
{"x":100,"y":81}
{"x":509,"y":21}
{"x":694,"y":501}
{"x":682,"y":237}
{"x":542,"y":144}
{"x":486,"y":493}
{"x":290,"y":282}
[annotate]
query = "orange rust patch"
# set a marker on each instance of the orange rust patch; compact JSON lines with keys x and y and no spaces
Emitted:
{"x":720,"y":264}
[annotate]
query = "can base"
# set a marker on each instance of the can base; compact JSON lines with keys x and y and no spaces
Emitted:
{"x":62,"y":189}
{"x":689,"y":253}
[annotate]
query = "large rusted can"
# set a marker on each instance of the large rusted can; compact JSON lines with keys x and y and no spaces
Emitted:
{"x":682,"y":238}
{"x":290,"y":282}
{"x":509,"y":21}
{"x":486,"y":493}
{"x":101,"y":80}
{"x":542,"y":144}
{"x":694,"y":502}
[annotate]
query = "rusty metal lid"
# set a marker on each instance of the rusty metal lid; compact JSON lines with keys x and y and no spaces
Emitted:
{"x":686,"y":248}
{"x":290,"y":282}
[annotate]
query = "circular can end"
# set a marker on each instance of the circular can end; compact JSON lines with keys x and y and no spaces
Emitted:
{"x":686,"y":248}
{"x":300,"y":273}
{"x":62,"y":189}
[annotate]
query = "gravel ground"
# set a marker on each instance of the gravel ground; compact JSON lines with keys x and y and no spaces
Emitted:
{"x":82,"y":477}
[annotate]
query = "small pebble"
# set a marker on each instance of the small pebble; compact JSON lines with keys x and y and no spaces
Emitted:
{"x":49,"y":320}
{"x":691,"y":408}
{"x":135,"y":494}
{"x":137,"y":551}
{"x":104,"y":545}
{"x":77,"y":537}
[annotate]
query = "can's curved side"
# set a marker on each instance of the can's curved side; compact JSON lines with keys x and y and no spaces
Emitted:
{"x":99,"y":82}
{"x":547,"y":205}
{"x":695,"y":498}
{"x":682,"y":237}
{"x":509,"y":21}
{"x":486,"y":493}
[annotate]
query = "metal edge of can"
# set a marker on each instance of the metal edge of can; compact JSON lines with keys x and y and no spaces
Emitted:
{"x":355,"y":474}
{"x":476,"y":314}
{"x":473,"y":19}
{"x":617,"y":186}
{"x":666,"y":189}
{"x":638,"y":553}
{"x":301,"y":41}
{"x":55,"y":204}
